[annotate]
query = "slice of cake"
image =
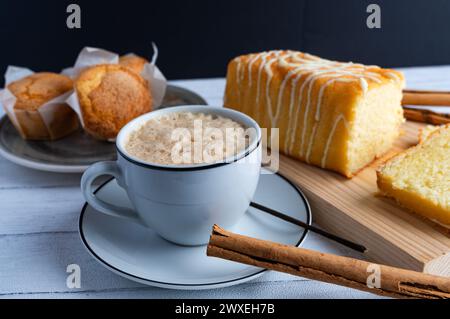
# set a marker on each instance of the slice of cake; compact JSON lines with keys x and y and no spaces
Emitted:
{"x":419,"y":178}
{"x":339,"y":116}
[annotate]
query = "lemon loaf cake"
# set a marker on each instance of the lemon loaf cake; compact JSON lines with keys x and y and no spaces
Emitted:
{"x":419,"y":178}
{"x":339,"y":116}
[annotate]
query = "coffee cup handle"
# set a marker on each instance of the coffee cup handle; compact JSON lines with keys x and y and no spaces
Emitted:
{"x":94,"y":171}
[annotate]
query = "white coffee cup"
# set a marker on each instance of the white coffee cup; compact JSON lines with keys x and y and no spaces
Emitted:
{"x":181,"y":202}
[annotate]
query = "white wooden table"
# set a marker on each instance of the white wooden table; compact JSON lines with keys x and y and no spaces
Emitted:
{"x":38,"y":233}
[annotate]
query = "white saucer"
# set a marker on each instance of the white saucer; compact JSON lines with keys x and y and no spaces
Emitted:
{"x":139,"y":254}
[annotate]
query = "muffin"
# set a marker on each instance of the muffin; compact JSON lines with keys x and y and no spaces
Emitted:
{"x":133,"y":62}
{"x":35,"y":121}
{"x":110,"y":95}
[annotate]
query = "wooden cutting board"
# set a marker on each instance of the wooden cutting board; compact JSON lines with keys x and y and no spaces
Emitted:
{"x":351,"y":209}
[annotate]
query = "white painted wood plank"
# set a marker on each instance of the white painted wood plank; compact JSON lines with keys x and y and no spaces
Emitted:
{"x":15,"y":176}
{"x":34,"y":266}
{"x":30,"y":210}
{"x":428,"y":78}
{"x":263,"y":290}
{"x":36,"y":263}
{"x":215,"y":102}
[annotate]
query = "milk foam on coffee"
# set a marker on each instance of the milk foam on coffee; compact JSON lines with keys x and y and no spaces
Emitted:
{"x":188,"y":138}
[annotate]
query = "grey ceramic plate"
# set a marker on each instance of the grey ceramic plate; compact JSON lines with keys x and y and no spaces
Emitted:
{"x":74,"y":153}
{"x":147,"y":258}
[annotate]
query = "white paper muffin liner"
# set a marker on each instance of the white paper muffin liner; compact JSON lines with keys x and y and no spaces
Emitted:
{"x":8,"y":100}
{"x":88,"y":56}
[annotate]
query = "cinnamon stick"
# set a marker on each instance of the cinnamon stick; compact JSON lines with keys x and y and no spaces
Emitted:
{"x":344,"y":271}
{"x":429,"y":98}
{"x":425,"y":116}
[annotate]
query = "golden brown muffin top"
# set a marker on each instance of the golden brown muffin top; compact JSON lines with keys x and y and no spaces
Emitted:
{"x":111,"y":95}
{"x":36,"y":89}
{"x":134,"y":62}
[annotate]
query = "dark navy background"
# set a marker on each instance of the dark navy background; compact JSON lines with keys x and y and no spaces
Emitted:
{"x":197,"y":38}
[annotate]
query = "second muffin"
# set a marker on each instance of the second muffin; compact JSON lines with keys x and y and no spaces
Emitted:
{"x":110,"y":96}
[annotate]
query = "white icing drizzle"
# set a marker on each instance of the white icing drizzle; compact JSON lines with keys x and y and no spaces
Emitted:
{"x":308,"y":152}
{"x":238,"y":71}
{"x":364,"y":85}
{"x":268,"y":101}
{"x":341,"y":117}
{"x":371,"y":76}
{"x":238,"y":78}
{"x":261,"y":67}
{"x":269,"y":73}
{"x":393,"y":76}
{"x":291,"y":108}
{"x":250,"y":65}
{"x":281,"y":92}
